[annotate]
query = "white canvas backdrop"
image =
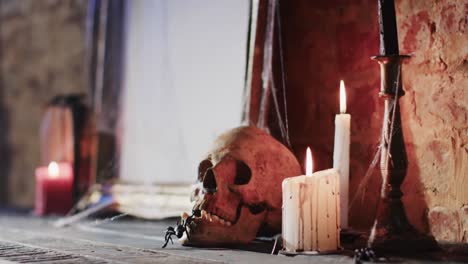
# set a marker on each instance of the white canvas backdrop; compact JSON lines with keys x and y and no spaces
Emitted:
{"x":183,"y":83}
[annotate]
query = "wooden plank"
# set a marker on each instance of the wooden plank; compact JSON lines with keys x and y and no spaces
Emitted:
{"x":134,"y":242}
{"x":57,"y":248}
{"x":21,"y":253}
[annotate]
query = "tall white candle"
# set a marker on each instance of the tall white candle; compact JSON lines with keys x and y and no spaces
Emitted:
{"x":341,"y":154}
{"x":311,"y":211}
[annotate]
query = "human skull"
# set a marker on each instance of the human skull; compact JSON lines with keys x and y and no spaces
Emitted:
{"x":238,"y":190}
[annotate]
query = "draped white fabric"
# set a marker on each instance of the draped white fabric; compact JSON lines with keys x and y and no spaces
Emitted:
{"x":183,"y":84}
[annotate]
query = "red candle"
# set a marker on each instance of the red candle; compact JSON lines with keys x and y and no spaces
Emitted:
{"x":54,"y":187}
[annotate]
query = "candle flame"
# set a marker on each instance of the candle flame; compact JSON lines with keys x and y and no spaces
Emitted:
{"x":53,"y":169}
{"x":342,"y":97}
{"x":308,"y":162}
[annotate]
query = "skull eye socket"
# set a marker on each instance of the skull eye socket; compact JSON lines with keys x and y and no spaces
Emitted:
{"x":203,"y":167}
{"x":209,"y":181}
{"x":243,"y":173}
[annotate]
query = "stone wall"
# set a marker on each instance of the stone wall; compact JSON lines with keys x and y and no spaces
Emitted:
{"x":435,"y":109}
{"x":325,"y":41}
{"x":42,"y":48}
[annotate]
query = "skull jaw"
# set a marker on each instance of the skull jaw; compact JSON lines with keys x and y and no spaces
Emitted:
{"x":205,"y":233}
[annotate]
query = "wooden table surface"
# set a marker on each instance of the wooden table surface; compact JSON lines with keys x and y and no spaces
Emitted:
{"x":29,"y":239}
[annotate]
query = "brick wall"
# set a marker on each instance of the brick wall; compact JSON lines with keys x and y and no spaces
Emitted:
{"x":435,"y":109}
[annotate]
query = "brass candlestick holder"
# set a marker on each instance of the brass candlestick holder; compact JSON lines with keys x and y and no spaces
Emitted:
{"x":392,"y":231}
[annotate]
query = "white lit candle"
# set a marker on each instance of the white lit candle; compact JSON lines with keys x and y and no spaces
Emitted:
{"x":311,"y":216}
{"x":341,"y":154}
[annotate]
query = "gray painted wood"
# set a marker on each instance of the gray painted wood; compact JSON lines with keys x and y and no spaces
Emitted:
{"x":129,"y":242}
{"x":133,"y":241}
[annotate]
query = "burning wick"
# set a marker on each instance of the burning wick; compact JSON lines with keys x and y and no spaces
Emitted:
{"x":308,"y":162}
{"x":342,"y":98}
{"x":53,"y":169}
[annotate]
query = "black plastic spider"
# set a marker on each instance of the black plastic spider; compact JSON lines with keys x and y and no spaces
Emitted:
{"x":180,"y":228}
{"x":364,"y":254}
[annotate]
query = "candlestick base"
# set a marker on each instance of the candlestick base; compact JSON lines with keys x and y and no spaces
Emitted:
{"x":404,"y":243}
{"x":392,"y":232}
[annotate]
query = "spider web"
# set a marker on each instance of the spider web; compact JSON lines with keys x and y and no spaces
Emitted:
{"x":268,"y":78}
{"x":269,"y":86}
{"x":361,"y":190}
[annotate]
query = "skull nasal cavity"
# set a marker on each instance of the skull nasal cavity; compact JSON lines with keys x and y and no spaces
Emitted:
{"x":243,"y":173}
{"x":203,"y":167}
{"x":209,"y":181}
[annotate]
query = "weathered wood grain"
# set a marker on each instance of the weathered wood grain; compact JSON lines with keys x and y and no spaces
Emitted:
{"x":131,"y":242}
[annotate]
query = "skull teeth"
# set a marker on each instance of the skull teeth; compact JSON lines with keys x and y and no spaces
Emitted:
{"x":214,"y":218}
